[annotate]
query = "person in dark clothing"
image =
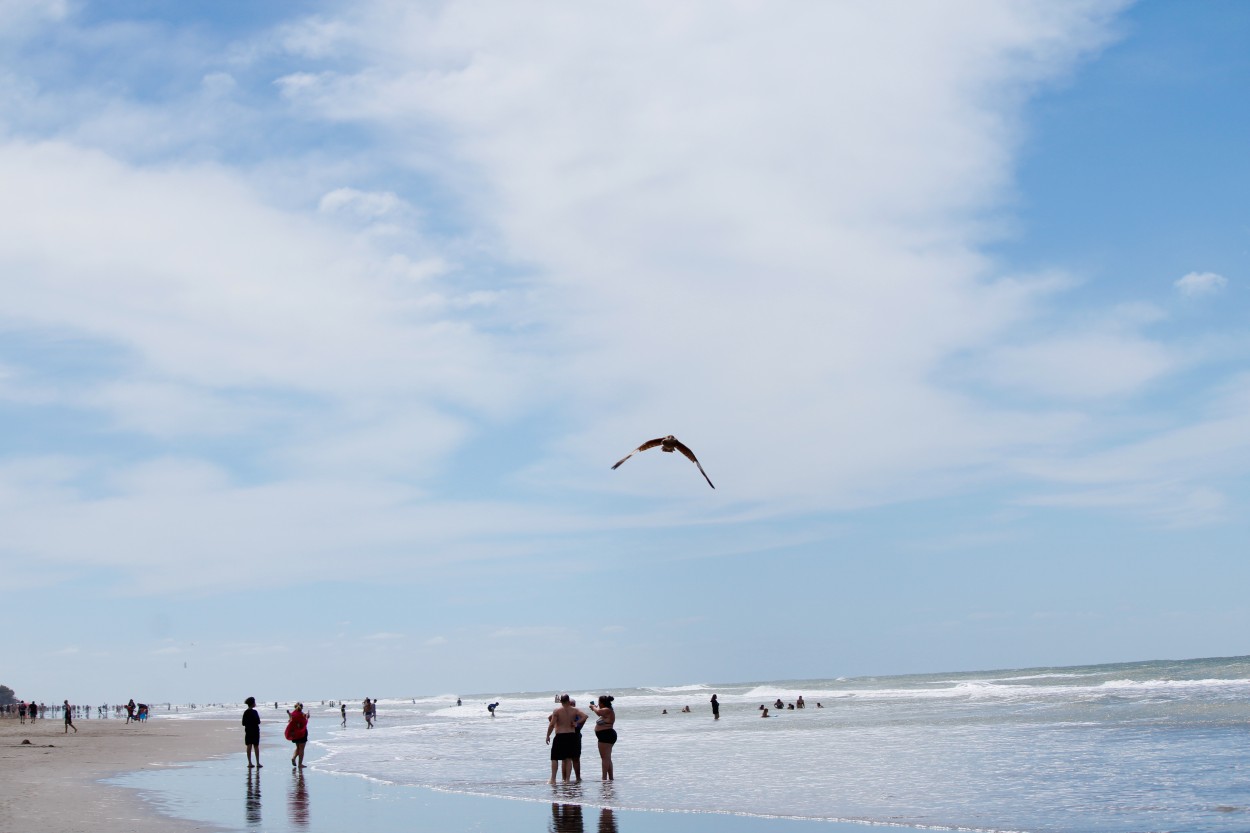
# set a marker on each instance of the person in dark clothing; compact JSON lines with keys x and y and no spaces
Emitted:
{"x":251,"y":731}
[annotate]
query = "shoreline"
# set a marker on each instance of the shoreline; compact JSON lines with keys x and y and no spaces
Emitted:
{"x":55,"y":784}
{"x":188,"y":776}
{"x":226,"y":797}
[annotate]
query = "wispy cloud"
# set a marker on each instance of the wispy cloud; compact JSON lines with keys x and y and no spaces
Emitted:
{"x":528,"y":632}
{"x":1201,"y":283}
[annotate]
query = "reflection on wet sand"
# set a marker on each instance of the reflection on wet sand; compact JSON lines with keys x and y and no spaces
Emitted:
{"x":567,"y":818}
{"x":298,"y":802}
{"x":251,"y":804}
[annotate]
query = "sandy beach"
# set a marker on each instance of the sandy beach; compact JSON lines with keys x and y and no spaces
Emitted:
{"x":50,"y":785}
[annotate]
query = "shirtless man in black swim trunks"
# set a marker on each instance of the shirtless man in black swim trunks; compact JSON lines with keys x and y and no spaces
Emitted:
{"x":562,"y":722}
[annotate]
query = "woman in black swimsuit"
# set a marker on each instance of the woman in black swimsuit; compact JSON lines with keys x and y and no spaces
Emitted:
{"x":605,"y":733}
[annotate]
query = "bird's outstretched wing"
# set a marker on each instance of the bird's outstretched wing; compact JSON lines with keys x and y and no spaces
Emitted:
{"x":682,"y":448}
{"x":643,"y":447}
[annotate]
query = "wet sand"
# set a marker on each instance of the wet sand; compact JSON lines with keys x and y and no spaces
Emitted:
{"x":50,"y":785}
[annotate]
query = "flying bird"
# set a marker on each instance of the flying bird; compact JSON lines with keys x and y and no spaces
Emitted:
{"x":669,"y":444}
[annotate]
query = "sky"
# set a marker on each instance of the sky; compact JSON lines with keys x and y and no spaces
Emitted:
{"x":322,"y":324}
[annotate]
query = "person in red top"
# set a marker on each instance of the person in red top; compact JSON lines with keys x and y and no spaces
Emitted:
{"x":297,"y":733}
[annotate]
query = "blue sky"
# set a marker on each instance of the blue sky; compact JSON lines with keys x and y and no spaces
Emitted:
{"x":323,"y":323}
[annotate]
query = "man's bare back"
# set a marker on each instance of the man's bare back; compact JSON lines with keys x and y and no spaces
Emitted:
{"x":563,"y":718}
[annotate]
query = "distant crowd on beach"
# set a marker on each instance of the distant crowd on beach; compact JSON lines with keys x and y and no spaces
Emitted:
{"x":68,"y":713}
{"x":24,"y":711}
{"x":132,"y":711}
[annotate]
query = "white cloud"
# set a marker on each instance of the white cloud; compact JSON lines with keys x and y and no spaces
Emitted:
{"x":1177,"y":475}
{"x":219,"y":84}
{"x":1201,"y":283}
{"x":18,"y":15}
{"x":722,"y":252}
{"x":528,"y":632}
{"x":757,"y":229}
{"x":1080,"y":366}
{"x":367,"y":205}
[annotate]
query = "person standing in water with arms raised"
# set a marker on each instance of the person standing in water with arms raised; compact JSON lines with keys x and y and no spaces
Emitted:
{"x":605,"y":733}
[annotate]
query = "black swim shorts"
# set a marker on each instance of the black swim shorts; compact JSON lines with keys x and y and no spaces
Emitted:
{"x":564,"y":745}
{"x":607,"y":736}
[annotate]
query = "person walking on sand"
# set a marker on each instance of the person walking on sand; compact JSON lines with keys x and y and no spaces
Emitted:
{"x":562,"y":722}
{"x":130,"y":710}
{"x":251,"y":731}
{"x":297,"y":733}
{"x":605,"y":733}
{"x":69,"y":718}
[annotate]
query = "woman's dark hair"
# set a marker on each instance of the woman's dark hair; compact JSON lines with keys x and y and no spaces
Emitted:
{"x":251,"y":701}
{"x":605,"y":700}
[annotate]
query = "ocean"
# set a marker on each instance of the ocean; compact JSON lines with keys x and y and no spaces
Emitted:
{"x":1124,"y":748}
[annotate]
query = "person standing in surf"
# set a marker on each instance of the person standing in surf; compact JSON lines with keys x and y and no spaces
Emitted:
{"x":297,"y":733}
{"x":562,"y":722}
{"x":251,"y":731}
{"x":605,"y":733}
{"x":715,"y":708}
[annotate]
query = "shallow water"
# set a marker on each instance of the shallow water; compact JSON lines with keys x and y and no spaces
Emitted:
{"x":1119,"y":748}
